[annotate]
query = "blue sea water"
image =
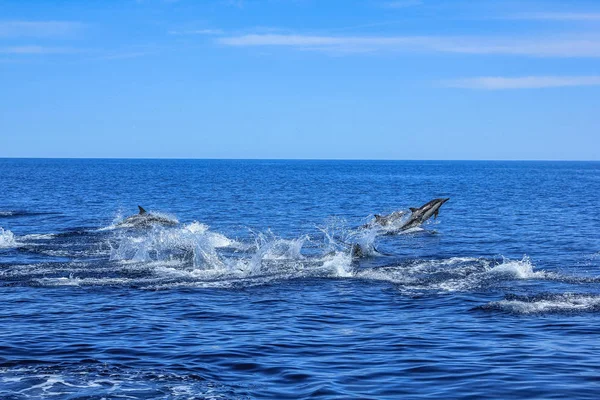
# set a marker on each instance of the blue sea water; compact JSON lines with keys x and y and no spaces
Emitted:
{"x":255,"y":293}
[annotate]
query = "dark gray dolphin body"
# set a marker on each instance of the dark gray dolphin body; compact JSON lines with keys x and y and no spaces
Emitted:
{"x":145,"y":219}
{"x":416,"y":218}
{"x":423,"y":213}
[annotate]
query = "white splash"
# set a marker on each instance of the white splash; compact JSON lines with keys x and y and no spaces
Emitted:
{"x":365,"y":240}
{"x":7,"y":239}
{"x":340,"y":265}
{"x":519,"y":269}
{"x":271,"y":247}
{"x":193,"y":241}
{"x":193,"y":255}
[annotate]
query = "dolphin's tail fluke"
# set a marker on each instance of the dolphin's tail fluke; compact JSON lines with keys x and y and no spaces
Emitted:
{"x":142,"y":211}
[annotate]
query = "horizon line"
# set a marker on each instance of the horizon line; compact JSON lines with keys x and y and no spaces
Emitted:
{"x":293,"y":159}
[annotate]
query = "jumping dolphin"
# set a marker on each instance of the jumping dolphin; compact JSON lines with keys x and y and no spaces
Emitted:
{"x":417,"y":216}
{"x":393,"y":223}
{"x":145,"y":219}
{"x":423,"y":213}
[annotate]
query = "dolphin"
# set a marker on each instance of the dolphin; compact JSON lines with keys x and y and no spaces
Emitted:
{"x":391,"y":221}
{"x":416,"y":218}
{"x":145,"y":219}
{"x":423,"y":213}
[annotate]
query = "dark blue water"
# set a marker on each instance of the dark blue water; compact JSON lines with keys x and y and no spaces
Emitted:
{"x":255,"y":294}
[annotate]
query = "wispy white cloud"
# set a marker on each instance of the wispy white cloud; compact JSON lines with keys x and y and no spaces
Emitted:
{"x":559,"y":16}
{"x":36,"y":50}
{"x":197,"y":32}
{"x":13,"y":29}
{"x":525,"y":82}
{"x":535,"y":47}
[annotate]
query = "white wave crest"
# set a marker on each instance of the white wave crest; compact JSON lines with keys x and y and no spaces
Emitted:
{"x":38,"y":236}
{"x":567,"y":302}
{"x":491,"y":275}
{"x":7,"y":239}
{"x":454,"y":274}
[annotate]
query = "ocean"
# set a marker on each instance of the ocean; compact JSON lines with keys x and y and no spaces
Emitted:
{"x":255,"y":293}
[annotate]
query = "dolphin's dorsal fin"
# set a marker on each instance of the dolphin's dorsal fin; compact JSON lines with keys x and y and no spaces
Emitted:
{"x":142,"y":211}
{"x":377,"y":217}
{"x":413,"y":209}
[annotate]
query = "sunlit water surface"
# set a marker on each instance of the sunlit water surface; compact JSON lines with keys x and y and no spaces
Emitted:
{"x":255,"y":293}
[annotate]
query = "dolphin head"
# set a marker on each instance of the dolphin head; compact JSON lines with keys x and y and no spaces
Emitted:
{"x":442,"y":201}
{"x":437,"y":203}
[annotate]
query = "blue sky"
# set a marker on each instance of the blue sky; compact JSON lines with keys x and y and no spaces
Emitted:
{"x":332,"y":79}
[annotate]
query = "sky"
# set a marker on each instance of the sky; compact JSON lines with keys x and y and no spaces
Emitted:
{"x":301,"y":79}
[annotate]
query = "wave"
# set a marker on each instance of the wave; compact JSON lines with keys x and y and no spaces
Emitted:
{"x":195,"y":256}
{"x":107,"y":381}
{"x":160,"y":275}
{"x":454,"y":274}
{"x":546,"y":303}
{"x":38,"y":236}
{"x":262,"y":266}
{"x":7,"y":239}
{"x":192,"y":255}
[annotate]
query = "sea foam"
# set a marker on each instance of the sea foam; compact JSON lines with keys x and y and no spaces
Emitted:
{"x":546,"y":303}
{"x":7,"y":239}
